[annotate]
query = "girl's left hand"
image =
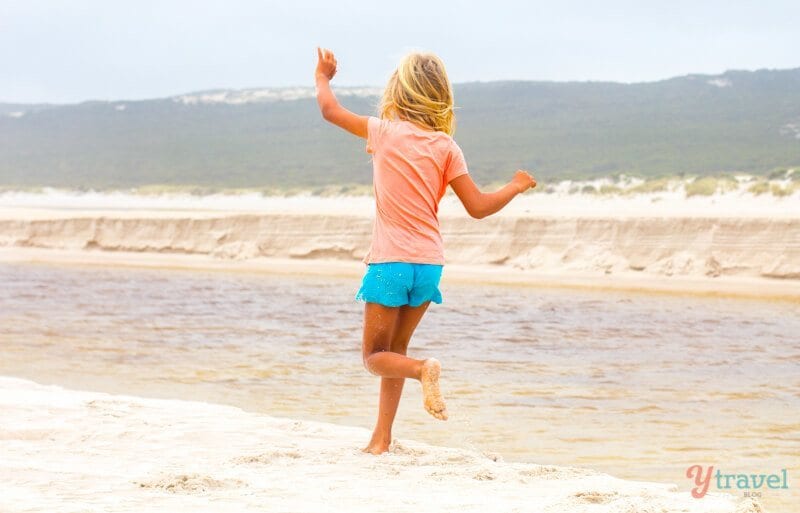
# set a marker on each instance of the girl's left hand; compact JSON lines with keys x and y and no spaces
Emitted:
{"x":326,"y":63}
{"x":523,"y":180}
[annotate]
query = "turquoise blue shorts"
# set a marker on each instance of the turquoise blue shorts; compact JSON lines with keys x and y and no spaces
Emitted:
{"x":400,"y":283}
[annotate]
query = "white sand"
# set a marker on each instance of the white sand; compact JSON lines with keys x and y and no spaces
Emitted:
{"x":71,"y":451}
{"x":560,"y":204}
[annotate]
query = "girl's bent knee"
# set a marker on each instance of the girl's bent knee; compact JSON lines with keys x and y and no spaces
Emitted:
{"x":368,"y":364}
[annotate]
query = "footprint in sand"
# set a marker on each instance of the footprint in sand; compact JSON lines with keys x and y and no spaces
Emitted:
{"x":596,"y":497}
{"x":552,"y":472}
{"x":484,"y":475}
{"x":432,"y":397}
{"x":269,"y":457}
{"x":443,"y":475}
{"x":399,"y":448}
{"x":190,"y":483}
{"x":464,"y":459}
{"x":111,"y":408}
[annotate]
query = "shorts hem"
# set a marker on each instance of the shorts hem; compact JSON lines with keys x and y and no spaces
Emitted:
{"x":363,"y":299}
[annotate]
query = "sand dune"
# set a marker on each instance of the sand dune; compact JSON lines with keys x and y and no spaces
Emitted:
{"x":66,"y":450}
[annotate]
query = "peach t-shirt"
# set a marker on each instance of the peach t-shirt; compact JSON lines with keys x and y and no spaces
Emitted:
{"x":411,"y":169}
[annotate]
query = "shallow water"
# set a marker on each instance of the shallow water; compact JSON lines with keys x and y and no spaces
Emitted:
{"x":640,"y":386}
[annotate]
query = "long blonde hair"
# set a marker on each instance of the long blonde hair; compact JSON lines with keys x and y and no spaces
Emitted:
{"x":419,"y":91}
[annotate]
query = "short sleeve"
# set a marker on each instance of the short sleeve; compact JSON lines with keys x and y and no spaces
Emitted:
{"x":455,"y":164}
{"x":374,"y":131}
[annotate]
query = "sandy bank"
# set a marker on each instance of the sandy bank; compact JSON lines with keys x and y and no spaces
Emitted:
{"x":66,"y":450}
{"x":757,"y":256}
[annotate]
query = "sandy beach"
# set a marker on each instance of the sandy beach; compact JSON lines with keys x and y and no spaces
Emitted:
{"x":66,"y":450}
{"x":196,"y":206}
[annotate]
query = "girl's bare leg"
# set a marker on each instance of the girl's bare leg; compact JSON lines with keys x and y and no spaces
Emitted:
{"x":392,"y":388}
{"x":393,"y":366}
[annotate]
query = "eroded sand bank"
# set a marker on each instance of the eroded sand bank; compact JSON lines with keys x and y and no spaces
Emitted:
{"x":751,"y":256}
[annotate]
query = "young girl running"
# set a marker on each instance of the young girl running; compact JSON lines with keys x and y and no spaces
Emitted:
{"x":414,"y":159}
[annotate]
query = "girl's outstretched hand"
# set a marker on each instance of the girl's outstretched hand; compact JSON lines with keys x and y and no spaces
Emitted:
{"x":326,"y":63}
{"x":523,"y":181}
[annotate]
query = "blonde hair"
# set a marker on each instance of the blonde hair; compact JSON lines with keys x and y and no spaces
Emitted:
{"x":419,"y":91}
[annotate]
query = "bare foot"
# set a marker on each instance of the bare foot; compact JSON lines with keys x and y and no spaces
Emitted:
{"x":429,"y":378}
{"x":377,"y":446}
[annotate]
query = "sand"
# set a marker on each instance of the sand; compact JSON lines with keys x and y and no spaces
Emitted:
{"x":718,"y":245}
{"x":70,"y":451}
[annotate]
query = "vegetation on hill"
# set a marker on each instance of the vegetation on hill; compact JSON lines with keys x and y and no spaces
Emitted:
{"x":694,"y":125}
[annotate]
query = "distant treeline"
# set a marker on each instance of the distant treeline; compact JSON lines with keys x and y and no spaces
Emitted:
{"x":696,"y":125}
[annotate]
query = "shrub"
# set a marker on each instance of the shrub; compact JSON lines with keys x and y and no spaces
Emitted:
{"x":758,"y":188}
{"x":702,"y":187}
{"x":777,"y":190}
{"x":610,"y":189}
{"x":650,"y":186}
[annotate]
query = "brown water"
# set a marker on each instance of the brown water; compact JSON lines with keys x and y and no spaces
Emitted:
{"x":639,"y":386}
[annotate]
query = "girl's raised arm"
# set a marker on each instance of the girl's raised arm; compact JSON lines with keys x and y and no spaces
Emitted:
{"x":328,"y":104}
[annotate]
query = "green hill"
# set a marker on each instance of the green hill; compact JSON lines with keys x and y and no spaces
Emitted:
{"x":696,"y":124}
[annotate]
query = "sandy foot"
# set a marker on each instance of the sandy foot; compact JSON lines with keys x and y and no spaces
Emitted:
{"x":434,"y":403}
{"x":377,"y":447}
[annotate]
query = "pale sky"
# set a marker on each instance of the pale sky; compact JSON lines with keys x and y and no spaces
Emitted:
{"x":71,"y":51}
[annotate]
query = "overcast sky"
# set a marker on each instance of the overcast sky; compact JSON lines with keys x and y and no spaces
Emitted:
{"x":70,"y":51}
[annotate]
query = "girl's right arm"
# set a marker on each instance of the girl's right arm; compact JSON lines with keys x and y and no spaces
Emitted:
{"x":481,"y":204}
{"x":329,"y":106}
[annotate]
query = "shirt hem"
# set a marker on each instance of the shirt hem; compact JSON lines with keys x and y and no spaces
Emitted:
{"x":409,"y":260}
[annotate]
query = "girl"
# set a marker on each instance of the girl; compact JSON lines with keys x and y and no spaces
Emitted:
{"x":414,"y":159}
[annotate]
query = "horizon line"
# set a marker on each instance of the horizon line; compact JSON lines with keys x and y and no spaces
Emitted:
{"x":374,"y":86}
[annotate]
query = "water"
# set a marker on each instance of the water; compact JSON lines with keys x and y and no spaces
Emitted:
{"x":639,"y":386}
